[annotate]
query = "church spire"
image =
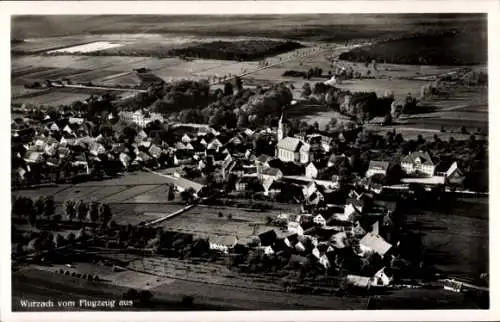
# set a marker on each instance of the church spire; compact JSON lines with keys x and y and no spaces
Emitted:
{"x":281,"y":132}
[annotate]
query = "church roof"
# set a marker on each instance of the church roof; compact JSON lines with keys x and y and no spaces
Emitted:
{"x":289,"y":144}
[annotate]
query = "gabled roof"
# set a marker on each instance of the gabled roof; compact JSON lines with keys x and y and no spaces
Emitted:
{"x":378,"y":165}
{"x":289,"y":144}
{"x":33,"y":157}
{"x":375,"y":242}
{"x":305,"y":147}
{"x":263,"y":158}
{"x":424,"y":157}
{"x":268,"y":238}
{"x":271,"y":171}
{"x":444,"y":166}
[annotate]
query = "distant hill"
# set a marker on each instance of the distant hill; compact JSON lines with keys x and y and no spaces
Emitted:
{"x":319,"y":27}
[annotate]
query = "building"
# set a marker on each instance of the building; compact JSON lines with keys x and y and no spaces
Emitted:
{"x":450,"y":171}
{"x":288,"y":149}
{"x":312,"y":170}
{"x":291,"y":149}
{"x":376,"y":243}
{"x":377,"y":167}
{"x":419,"y":163}
{"x":222,"y":243}
{"x":140,"y":118}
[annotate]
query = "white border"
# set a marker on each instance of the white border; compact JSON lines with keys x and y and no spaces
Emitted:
{"x":246,"y":7}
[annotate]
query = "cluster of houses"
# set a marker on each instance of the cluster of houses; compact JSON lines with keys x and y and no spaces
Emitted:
{"x":68,"y":147}
{"x":328,"y":234}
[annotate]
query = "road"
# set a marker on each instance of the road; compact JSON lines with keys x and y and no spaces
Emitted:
{"x":314,"y":51}
{"x":136,"y":90}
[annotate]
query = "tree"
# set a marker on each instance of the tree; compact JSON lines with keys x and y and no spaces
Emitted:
{"x":69,"y":209}
{"x":131,"y":294}
{"x":59,"y":240}
{"x":188,"y":195}
{"x":81,"y":209}
{"x":228,"y":89}
{"x":40,"y":206}
{"x":306,"y":90}
{"x":93,"y":212}
{"x":187,"y":300}
{"x":171,"y":192}
{"x":104,"y":213}
{"x":144,"y":296}
{"x":229,"y":216}
{"x":49,"y":207}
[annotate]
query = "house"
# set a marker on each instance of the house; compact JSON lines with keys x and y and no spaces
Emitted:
{"x":377,"y":167}
{"x":418,"y":163}
{"x":295,"y":228}
{"x":271,"y":187}
{"x":339,"y":240}
{"x":268,"y":250}
{"x":184,"y":146}
{"x":288,"y":149}
{"x":450,"y":171}
{"x":155,"y":151}
{"x":263,"y":160}
{"x":311,"y":170}
{"x":359,"y":281}
{"x":327,"y":259}
{"x":322,"y":219}
{"x":272,"y":173}
{"x":382,"y":278}
{"x":227,"y":166}
{"x":305,"y":153}
{"x":186,"y":139}
{"x":375,"y":243}
{"x":97,"y":149}
{"x":452,"y":285}
{"x":33,"y":157}
{"x":378,"y":120}
{"x":215,"y":144}
{"x":222,"y":243}
{"x":268,"y":238}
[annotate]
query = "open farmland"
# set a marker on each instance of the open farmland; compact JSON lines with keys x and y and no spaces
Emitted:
{"x":51,"y":99}
{"x":456,"y":238}
{"x":204,"y":221}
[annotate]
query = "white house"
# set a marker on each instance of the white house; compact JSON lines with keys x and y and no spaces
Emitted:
{"x":311,"y":171}
{"x":296,"y":228}
{"x":319,"y":220}
{"x":381,"y":279}
{"x":186,"y":139}
{"x":305,"y":153}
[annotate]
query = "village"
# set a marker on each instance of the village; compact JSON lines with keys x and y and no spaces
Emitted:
{"x":344,"y":223}
{"x":277,"y":185}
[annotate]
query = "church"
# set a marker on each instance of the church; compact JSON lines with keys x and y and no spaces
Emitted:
{"x":291,"y":149}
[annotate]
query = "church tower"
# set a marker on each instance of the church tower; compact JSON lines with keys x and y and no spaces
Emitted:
{"x":281,"y":129}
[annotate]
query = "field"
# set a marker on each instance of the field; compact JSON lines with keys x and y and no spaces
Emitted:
{"x":455,"y":239}
{"x":205,"y":221}
{"x":86,"y":48}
